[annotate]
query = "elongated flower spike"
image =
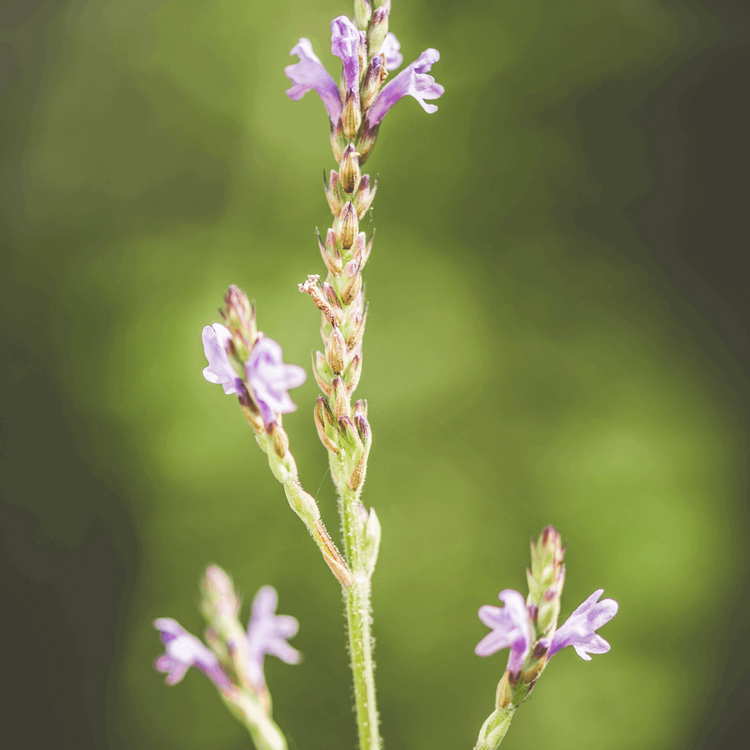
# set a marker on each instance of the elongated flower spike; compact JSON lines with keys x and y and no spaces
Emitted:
{"x":528,"y":629}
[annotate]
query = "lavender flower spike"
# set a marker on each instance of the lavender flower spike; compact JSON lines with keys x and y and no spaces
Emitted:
{"x":412,"y":80}
{"x":510,"y":629}
{"x":308,"y":74}
{"x":219,"y":370}
{"x":345,"y":41}
{"x":184,"y":650}
{"x":267,"y":634}
{"x":270,"y":379}
{"x":580,"y":628}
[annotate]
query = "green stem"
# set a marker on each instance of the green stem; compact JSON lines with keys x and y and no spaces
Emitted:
{"x":262,"y":728}
{"x":358,"y":616}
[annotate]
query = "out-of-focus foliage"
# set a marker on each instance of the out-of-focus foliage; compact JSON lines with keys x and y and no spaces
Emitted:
{"x":551,"y":339}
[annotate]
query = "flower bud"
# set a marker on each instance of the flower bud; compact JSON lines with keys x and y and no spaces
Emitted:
{"x":239,"y":315}
{"x":325,"y":424}
{"x":378,"y":28}
{"x":352,"y":116}
{"x":546,"y":578}
{"x":336,"y":351}
{"x":349,"y":226}
{"x":363,"y":427}
{"x":322,"y":373}
{"x":362,"y":13}
{"x":332,"y":257}
{"x":357,"y":477}
{"x":330,"y":294}
{"x":357,"y":331}
{"x":340,"y":398}
{"x":350,"y":174}
{"x":363,"y":199}
{"x":366,"y":140}
{"x":280,"y":439}
{"x":352,"y":283}
{"x":349,"y":436}
{"x":360,"y":408}
{"x":219,"y":598}
{"x":373,"y":80}
{"x":333,"y":192}
{"x":353,"y":373}
{"x":338,"y":140}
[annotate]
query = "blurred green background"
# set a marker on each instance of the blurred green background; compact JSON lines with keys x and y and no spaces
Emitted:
{"x":557,"y":334}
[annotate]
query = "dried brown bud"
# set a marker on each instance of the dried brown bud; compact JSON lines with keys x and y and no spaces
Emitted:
{"x":366,"y":141}
{"x":280,"y":440}
{"x":350,"y":174}
{"x":373,"y":80}
{"x":352,"y":116}
{"x":349,"y":226}
{"x":354,"y":283}
{"x":312,"y":287}
{"x":341,"y":398}
{"x":357,"y":477}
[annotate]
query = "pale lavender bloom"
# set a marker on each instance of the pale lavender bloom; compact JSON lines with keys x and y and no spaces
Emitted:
{"x":308,"y":74}
{"x":183,"y":650}
{"x":390,"y":51}
{"x":580,"y":628}
{"x":345,"y":40}
{"x":511,"y":628}
{"x":219,"y":370}
{"x":270,"y":379}
{"x":412,"y":80}
{"x":267,"y":634}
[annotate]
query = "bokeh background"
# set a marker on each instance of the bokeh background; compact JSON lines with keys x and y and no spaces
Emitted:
{"x":557,"y":334}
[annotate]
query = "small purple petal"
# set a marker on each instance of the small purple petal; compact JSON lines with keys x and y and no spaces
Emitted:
{"x":184,"y":650}
{"x":267,"y":634}
{"x":412,"y":80}
{"x":345,"y":41}
{"x":308,"y":74}
{"x":270,"y":379}
{"x":579,"y":629}
{"x":390,"y":51}
{"x":219,"y":370}
{"x":510,"y":629}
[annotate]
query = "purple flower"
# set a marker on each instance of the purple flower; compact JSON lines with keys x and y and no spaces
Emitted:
{"x":182,"y":651}
{"x":510,"y":629}
{"x":580,"y":628}
{"x":219,"y":370}
{"x":270,"y":379}
{"x":390,"y":51}
{"x":267,"y":634}
{"x":308,"y":74}
{"x":345,"y":41}
{"x":412,"y":80}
